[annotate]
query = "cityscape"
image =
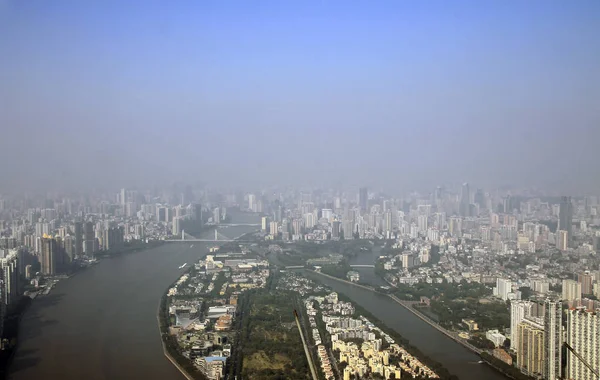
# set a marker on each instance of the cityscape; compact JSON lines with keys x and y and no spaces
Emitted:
{"x":299,"y":190}
{"x":513,"y":277}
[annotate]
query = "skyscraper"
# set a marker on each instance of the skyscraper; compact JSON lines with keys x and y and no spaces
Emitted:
{"x":335,"y":230}
{"x":552,"y":339}
{"x":562,"y":240}
{"x":363,"y":197}
{"x":252,"y":202}
{"x":586,"y":280}
{"x":583,"y":335}
{"x":78,"y":238}
{"x":51,"y":256}
{"x":89,"y":238}
{"x":465,"y":200}
{"x":530,"y":348}
{"x":518,"y":311}
{"x":571,"y":290}
{"x":565,"y":216}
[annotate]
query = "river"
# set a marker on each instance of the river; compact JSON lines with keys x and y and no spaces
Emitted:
{"x":102,"y":322}
{"x":456,"y":358}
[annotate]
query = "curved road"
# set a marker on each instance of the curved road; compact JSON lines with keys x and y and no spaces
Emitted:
{"x":101,"y":323}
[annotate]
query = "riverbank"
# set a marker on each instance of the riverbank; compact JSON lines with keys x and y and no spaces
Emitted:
{"x":412,"y":310}
{"x":423,"y":317}
{"x":12,"y":324}
{"x":483,"y":355}
{"x":164,"y":346}
{"x":169,"y":344}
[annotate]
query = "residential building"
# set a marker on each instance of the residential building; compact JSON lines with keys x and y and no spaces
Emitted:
{"x":571,"y":290}
{"x":530,"y":349}
{"x":583,"y":335}
{"x":518,"y":311}
{"x":552,"y":340}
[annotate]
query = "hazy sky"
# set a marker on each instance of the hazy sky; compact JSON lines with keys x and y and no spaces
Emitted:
{"x":384,"y":93}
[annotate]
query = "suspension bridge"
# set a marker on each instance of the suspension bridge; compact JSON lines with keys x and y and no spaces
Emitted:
{"x":218,"y":238}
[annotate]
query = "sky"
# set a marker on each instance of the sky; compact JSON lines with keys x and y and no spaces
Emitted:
{"x":390,"y":94}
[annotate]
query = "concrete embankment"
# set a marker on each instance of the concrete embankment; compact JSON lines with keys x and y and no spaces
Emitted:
{"x":166,"y":352}
{"x":408,"y":306}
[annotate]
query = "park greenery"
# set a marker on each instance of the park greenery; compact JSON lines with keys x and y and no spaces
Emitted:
{"x":270,"y":343}
{"x":340,"y":270}
{"x":452,"y":303}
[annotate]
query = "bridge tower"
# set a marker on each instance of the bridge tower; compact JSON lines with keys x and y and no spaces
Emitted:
{"x":182,"y":234}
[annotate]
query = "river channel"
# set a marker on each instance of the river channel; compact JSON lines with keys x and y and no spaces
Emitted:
{"x":101,"y":323}
{"x":456,"y":358}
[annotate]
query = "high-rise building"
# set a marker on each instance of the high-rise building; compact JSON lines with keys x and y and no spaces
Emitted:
{"x":217,"y":215}
{"x":519,"y":310}
{"x":51,"y":256}
{"x":363,"y":198}
{"x":583,"y":335}
{"x":297,"y":225}
{"x":465,"y":200}
{"x":123,"y":197}
{"x":503,"y":288}
{"x":88,"y":238}
{"x":455,"y":227}
{"x":264,"y":224}
{"x":161,"y":213}
{"x":69,"y":244}
{"x":565,"y":216}
{"x":273,"y":228}
{"x":571,"y":290}
{"x":422,"y":223}
{"x":552,"y":340}
{"x":252,"y":202}
{"x":335,"y":230}
{"x":78,"y":238}
{"x":480,"y":198}
{"x":309,"y":220}
{"x":530,"y":348}
{"x":9,"y":274}
{"x":586,"y":280}
{"x":176,"y":226}
{"x":562,"y":240}
{"x":112,"y":238}
{"x":9,"y":282}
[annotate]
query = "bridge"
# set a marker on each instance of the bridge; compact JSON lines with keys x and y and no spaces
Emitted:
{"x":219,"y":238}
{"x":362,"y":266}
{"x":233,"y":224}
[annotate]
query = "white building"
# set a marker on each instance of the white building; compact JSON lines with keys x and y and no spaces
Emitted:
{"x":583,"y":334}
{"x":518,"y":311}
{"x":571,"y":290}
{"x":495,"y":337}
{"x":503,"y":288}
{"x":327,"y":213}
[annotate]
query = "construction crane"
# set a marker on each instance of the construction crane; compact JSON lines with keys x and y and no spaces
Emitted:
{"x":581,"y":359}
{"x":313,"y":372}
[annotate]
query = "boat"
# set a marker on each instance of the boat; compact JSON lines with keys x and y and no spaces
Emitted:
{"x":192,"y":246}
{"x":183,"y":266}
